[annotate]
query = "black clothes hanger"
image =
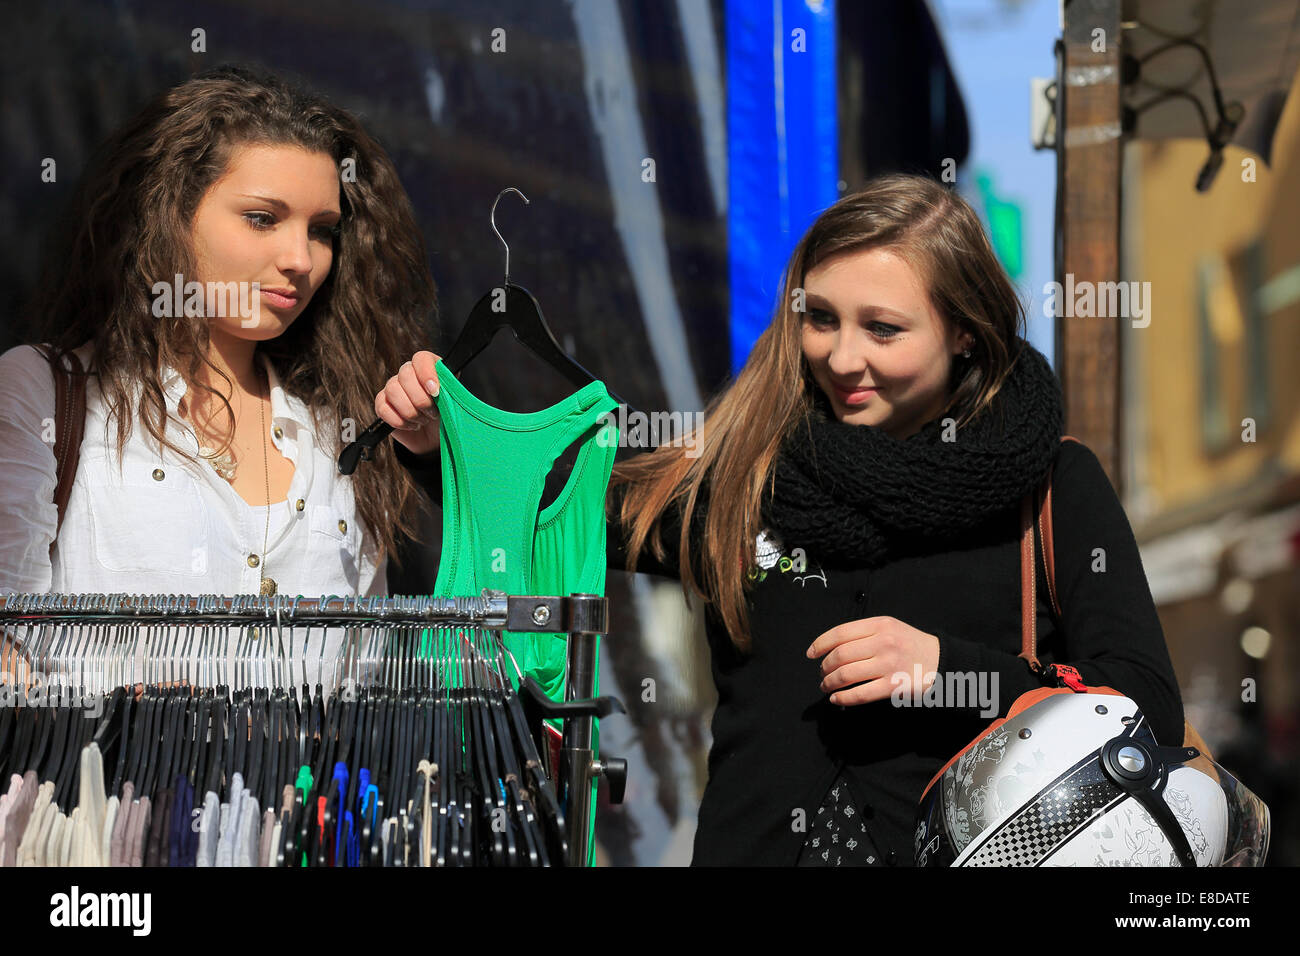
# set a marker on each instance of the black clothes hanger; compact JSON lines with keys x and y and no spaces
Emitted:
{"x":67,"y":790}
{"x":204,"y":730}
{"x":186,"y":716}
{"x":368,"y":805}
{"x":108,"y":731}
{"x":423,"y":730}
{"x":538,"y":706}
{"x":7,"y":726}
{"x":222,"y":747}
{"x":152,"y":735}
{"x":158,"y":741}
{"x":371,"y":808}
{"x":443,"y":805}
{"x":256,"y":755}
{"x":272,"y":750}
{"x":24,"y":731}
{"x":195,"y":708}
{"x":50,"y":756}
{"x":521,"y":313}
{"x":47,"y":724}
{"x":401,"y":774}
{"x":522,"y":813}
{"x":167,"y":739}
{"x":68,"y":753}
{"x":308,"y":829}
{"x":69,"y":757}
{"x":238,"y":742}
{"x":124,"y":744}
{"x":139,"y":738}
{"x":484,"y":776}
{"x":534,"y":776}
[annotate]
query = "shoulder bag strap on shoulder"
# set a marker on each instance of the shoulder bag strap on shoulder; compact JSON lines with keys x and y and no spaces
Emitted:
{"x":1036,"y":505}
{"x":1190,"y":737}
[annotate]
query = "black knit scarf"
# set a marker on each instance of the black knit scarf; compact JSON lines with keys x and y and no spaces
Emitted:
{"x":853,"y":495}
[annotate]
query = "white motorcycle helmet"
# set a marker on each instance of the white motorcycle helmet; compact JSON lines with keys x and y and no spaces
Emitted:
{"x":1078,"y":779}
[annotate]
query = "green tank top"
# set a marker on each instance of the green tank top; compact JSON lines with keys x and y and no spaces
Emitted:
{"x":494,"y":468}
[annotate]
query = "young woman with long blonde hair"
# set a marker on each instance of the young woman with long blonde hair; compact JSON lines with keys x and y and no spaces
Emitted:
{"x":851,"y":524}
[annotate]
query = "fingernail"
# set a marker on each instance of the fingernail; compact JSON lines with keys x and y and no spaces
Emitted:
{"x":431,"y":386}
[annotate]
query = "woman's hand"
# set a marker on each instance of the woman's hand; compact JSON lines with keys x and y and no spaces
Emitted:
{"x":406,"y":403}
{"x":878,"y":654}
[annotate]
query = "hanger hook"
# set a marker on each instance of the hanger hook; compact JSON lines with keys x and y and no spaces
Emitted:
{"x":493,"y":218}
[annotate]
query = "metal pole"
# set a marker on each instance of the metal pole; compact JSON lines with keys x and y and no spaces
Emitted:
{"x":577,"y":754}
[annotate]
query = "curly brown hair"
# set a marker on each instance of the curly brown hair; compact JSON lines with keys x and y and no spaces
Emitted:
{"x":128,"y":226}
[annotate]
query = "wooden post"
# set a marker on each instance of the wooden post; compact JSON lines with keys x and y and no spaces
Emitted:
{"x":1087,"y":348}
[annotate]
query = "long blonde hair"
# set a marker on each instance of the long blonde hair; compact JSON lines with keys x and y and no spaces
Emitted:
{"x":745,"y":425}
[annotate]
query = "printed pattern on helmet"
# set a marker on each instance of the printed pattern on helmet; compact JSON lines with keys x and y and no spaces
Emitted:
{"x":1028,"y":837}
{"x":1144,"y":843}
{"x":965,"y":822}
{"x":1184,"y":810}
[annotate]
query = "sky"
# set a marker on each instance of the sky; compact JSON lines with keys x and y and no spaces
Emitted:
{"x":994,"y":48}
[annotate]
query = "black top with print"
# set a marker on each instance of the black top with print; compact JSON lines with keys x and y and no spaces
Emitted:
{"x":779,"y":744}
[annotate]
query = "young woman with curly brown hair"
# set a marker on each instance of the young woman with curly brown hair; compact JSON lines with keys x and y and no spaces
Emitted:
{"x":239,"y":264}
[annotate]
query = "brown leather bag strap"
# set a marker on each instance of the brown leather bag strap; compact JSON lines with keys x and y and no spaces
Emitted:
{"x":1028,"y":604}
{"x":1042,"y":499}
{"x":1028,"y":649}
{"x":69,"y":425}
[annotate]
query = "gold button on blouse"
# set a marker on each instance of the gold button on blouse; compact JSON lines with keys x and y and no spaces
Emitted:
{"x":158,"y":474}
{"x":253,"y":561}
{"x":279,"y":432}
{"x":300,"y":504}
{"x":343,"y":526}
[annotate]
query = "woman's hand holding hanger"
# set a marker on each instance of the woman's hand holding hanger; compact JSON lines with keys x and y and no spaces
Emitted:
{"x":406,"y":403}
{"x":868,"y":659}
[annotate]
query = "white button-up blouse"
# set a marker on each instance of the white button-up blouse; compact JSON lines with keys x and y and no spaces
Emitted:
{"x":163,"y":524}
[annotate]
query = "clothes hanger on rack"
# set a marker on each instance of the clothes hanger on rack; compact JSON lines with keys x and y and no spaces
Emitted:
{"x":488,"y":777}
{"x":504,"y":769}
{"x":520,"y":313}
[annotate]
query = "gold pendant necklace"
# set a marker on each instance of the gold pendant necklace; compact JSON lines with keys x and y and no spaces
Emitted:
{"x":225,"y":466}
{"x":268,"y":584}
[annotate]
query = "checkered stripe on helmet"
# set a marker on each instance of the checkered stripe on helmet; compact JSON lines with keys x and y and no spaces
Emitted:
{"x":1067,"y":804}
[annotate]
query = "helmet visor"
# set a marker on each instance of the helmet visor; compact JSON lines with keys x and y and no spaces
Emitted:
{"x":1248,"y":824}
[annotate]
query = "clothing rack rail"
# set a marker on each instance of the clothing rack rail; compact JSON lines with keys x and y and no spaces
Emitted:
{"x":582,"y":617}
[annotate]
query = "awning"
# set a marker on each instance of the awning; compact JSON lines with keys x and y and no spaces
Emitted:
{"x":1186,"y":564}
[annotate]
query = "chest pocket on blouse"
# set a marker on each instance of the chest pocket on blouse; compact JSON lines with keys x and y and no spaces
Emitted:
{"x":335,"y":544}
{"x":140,"y":523}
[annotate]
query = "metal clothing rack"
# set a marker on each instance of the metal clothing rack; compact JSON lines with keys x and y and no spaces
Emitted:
{"x":583,"y":617}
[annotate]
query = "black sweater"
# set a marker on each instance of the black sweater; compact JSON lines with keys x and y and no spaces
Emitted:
{"x":778,"y":743}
